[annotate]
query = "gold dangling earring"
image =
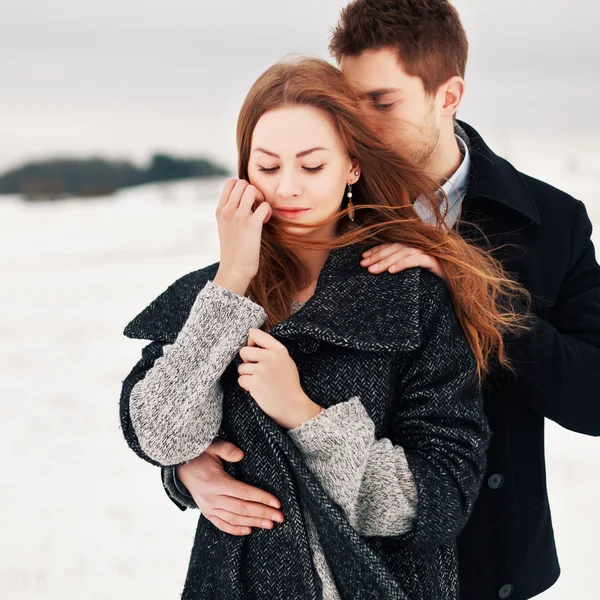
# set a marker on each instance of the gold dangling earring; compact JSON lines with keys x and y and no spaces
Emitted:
{"x":350,"y":204}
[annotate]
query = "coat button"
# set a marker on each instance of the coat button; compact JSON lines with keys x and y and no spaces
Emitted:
{"x":495,"y":482}
{"x":506,"y":591}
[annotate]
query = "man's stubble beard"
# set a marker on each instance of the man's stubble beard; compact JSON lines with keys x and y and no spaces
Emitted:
{"x":419,"y":142}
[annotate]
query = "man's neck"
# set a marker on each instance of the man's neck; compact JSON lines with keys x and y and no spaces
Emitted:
{"x":446,"y":158}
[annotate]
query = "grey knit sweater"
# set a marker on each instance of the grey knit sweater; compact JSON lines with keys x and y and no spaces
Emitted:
{"x":176,"y":412}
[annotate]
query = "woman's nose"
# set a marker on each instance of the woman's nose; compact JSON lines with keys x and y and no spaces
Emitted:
{"x":288,"y":187}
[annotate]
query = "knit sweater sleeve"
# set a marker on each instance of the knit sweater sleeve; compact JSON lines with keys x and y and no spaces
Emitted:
{"x":175,"y":406}
{"x":369,"y":478}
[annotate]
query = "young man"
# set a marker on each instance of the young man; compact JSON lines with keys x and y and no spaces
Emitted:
{"x":408,"y":58}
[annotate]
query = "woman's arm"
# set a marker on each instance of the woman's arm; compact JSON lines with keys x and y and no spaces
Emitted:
{"x":420,"y":485}
{"x":369,"y":478}
{"x":171,"y":402}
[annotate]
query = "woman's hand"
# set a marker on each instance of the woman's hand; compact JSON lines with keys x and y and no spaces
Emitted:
{"x":241,"y":214}
{"x":271,"y":377}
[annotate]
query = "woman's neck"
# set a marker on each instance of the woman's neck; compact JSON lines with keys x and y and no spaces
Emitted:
{"x":315,"y":261}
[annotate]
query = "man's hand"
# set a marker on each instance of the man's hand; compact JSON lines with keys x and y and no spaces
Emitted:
{"x":231,"y":506}
{"x":398,"y":257}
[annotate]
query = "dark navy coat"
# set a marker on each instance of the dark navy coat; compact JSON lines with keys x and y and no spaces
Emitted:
{"x":507,"y":549}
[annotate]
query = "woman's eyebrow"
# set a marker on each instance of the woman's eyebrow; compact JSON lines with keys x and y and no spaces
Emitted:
{"x":299,"y":155}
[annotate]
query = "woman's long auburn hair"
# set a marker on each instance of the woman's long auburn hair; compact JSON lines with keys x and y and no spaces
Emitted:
{"x":482,"y":295}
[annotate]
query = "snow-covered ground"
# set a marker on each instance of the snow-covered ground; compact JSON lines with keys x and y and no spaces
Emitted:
{"x":82,"y":516}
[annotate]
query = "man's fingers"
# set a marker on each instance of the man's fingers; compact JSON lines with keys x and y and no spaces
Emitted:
{"x":375,"y":249}
{"x":381,"y":252}
{"x":225,"y":450}
{"x":249,"y":493}
{"x":228,"y":528}
{"x":395,"y":258}
{"x":239,"y":521}
{"x":252,"y":510}
{"x":424,"y":261}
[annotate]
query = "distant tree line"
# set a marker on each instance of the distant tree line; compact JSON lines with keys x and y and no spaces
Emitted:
{"x":57,"y":178}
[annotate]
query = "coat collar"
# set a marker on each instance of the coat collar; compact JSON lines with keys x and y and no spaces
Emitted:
{"x":350,"y":307}
{"x":495,"y":179}
{"x":355,"y":309}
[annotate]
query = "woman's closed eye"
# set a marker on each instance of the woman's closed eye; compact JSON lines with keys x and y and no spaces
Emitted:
{"x":275,"y":169}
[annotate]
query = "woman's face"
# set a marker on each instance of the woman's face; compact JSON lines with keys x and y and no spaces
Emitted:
{"x":298,"y":162}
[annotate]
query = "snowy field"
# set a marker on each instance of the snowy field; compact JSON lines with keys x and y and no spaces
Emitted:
{"x":82,"y":517}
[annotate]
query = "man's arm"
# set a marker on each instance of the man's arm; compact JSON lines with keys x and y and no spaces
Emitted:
{"x":558,"y":360}
{"x":232,"y":506}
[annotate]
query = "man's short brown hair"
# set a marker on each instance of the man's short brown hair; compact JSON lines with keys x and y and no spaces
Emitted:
{"x":428,"y":35}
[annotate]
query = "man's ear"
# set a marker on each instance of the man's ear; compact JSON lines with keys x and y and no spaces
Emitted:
{"x":451,"y":95}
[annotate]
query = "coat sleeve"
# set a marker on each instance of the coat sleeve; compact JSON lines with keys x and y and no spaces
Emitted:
{"x":171,"y":402}
{"x":439,"y":422}
{"x":175,"y":490}
{"x":558,"y":360}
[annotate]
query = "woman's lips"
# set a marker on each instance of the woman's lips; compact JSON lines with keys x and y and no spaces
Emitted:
{"x":291,"y":213}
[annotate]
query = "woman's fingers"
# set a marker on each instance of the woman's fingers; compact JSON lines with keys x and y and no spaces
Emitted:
{"x":227,"y":189}
{"x":247,"y":369}
{"x":251,"y":196}
{"x":240,"y":199}
{"x":258,"y":337}
{"x":263,"y":212}
{"x":252,"y":354}
{"x":240,"y":235}
{"x":235,"y":197}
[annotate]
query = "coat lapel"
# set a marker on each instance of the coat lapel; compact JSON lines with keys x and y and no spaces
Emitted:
{"x":354,"y":309}
{"x":350,"y":307}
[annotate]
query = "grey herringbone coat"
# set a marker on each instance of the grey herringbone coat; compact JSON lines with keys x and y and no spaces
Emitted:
{"x":392,"y":340}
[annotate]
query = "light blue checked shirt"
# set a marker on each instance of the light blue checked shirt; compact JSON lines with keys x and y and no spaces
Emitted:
{"x":455,"y":189}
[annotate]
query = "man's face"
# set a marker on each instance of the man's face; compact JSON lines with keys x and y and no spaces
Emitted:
{"x":413,"y":121}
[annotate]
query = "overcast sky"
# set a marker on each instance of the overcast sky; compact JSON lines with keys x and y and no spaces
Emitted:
{"x":124,"y":78}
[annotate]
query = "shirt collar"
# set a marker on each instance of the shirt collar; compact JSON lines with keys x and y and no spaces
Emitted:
{"x":456,"y":187}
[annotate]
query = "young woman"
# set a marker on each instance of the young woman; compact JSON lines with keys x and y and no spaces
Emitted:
{"x":356,"y":398}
